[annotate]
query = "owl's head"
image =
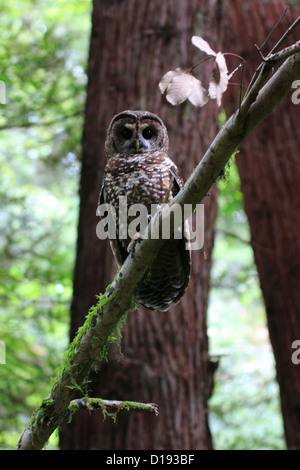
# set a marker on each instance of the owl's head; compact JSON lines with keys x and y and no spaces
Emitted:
{"x":136,"y":132}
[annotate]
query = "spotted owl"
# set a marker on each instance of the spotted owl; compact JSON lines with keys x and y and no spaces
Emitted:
{"x":139,"y":168}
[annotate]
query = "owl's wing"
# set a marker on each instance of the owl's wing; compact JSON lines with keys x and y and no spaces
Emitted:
{"x":177,"y":180}
{"x":101,"y":195}
{"x":117,"y":248}
{"x":178,"y":184}
{"x":166,"y":281}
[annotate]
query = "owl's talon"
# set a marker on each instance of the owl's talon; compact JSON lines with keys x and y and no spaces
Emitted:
{"x":133,"y":242}
{"x":160,"y":207}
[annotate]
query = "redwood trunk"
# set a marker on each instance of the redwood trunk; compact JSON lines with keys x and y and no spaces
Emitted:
{"x":133,"y":44}
{"x":269,"y":168}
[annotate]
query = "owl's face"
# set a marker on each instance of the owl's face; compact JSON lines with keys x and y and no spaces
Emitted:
{"x":136,"y":132}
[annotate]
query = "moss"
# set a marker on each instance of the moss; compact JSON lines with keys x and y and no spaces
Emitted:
{"x":72,"y":409}
{"x":67,"y":370}
{"x":224,"y":174}
{"x":124,"y":406}
{"x":89,"y":404}
{"x":88,"y":324}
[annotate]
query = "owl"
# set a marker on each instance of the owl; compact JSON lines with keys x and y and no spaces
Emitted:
{"x":139,"y":168}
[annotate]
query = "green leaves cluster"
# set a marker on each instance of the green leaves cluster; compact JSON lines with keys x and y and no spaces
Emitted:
{"x":43,"y":53}
{"x":244,"y":408}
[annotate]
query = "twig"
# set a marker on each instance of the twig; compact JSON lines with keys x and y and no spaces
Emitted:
{"x":285,"y":35}
{"x":273,"y":29}
{"x":27,"y":124}
{"x":262,"y":73}
{"x":278,"y":56}
{"x":111,"y":407}
{"x":273,"y":50}
{"x":227,"y":233}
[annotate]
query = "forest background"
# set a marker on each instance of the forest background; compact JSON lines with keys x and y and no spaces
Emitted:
{"x":43,"y":56}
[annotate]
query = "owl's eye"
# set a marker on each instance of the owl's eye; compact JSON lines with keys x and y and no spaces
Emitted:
{"x":147,"y":133}
{"x":126,"y":133}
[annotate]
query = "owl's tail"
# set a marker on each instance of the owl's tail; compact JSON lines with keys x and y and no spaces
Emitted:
{"x":166,"y":280}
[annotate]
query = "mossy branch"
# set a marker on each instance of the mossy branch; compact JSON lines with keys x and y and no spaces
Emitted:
{"x":111,"y":407}
{"x":92,"y":341}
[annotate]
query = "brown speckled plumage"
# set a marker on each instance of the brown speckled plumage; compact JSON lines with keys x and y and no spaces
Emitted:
{"x":139,"y":168}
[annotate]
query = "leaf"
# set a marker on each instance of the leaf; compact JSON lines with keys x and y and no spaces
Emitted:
{"x":221,"y":63}
{"x":166,"y":80}
{"x":198,"y":96}
{"x":179,"y":86}
{"x":203,"y":45}
{"x":218,"y":84}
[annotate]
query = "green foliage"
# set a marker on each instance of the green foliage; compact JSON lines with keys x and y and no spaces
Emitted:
{"x":43,"y":51}
{"x":244,"y":408}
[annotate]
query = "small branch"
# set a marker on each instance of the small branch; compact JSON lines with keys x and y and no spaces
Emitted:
{"x":285,"y":35}
{"x":273,"y":50}
{"x":273,"y":29}
{"x":262,"y":73}
{"x":28,"y":124}
{"x":260,"y":53}
{"x":235,"y":236}
{"x":279,"y":56}
{"x":111,"y":407}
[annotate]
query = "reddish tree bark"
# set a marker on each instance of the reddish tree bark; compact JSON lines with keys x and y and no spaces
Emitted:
{"x":269,"y":168}
{"x":165,"y":361}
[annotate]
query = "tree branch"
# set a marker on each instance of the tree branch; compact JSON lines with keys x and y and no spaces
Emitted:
{"x":91,"y":342}
{"x":112,"y":407}
{"x":262,"y":73}
{"x":28,"y":124}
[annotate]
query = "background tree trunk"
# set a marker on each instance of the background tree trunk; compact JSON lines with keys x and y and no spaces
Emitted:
{"x":269,"y":168}
{"x":165,"y":359}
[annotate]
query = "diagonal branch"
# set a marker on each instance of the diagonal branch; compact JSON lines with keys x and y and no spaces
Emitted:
{"x":93,"y":338}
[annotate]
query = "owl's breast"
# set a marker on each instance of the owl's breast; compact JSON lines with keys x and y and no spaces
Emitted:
{"x":142,"y":178}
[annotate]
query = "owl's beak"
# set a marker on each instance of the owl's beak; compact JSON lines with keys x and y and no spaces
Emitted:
{"x":137,"y":145}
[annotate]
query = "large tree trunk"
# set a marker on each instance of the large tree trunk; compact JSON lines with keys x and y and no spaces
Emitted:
{"x":133,"y":44}
{"x":269,"y":168}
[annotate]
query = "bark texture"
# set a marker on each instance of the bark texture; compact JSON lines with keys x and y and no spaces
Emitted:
{"x":269,"y":168}
{"x":165,"y":360}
